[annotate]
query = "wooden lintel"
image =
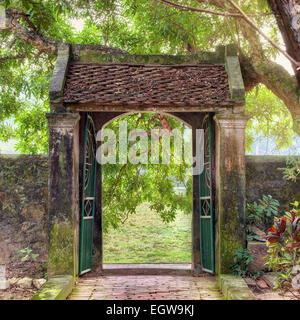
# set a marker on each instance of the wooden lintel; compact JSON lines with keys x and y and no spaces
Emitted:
{"x":151,"y":109}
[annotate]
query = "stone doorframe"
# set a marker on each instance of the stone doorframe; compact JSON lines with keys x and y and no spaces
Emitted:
{"x":65,"y":151}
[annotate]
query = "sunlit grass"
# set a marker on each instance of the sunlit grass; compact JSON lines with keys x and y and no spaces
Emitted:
{"x":144,"y":238}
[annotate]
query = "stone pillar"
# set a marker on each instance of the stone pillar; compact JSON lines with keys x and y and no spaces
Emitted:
{"x":230,"y":188}
{"x":63,"y":193}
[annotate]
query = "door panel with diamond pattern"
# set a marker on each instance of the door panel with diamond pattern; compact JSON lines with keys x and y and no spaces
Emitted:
{"x":88,"y":198}
{"x":206,"y":203}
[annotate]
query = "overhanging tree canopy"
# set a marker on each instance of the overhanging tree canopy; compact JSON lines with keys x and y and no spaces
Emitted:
{"x":33,"y":30}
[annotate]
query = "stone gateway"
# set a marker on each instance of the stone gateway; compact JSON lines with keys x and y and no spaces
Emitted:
{"x":89,"y":88}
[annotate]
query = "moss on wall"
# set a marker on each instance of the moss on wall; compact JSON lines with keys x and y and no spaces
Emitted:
{"x":97,"y":57}
{"x":61,"y":249}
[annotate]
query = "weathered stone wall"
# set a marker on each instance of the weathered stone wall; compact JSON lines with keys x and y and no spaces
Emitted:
{"x":24,"y":197}
{"x":23,"y":205}
{"x":264,"y":178}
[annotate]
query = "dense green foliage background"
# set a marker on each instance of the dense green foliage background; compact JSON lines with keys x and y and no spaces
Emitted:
{"x":126,"y":186}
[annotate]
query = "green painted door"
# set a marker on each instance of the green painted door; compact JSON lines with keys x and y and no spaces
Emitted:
{"x":206,"y":202}
{"x":88,"y":198}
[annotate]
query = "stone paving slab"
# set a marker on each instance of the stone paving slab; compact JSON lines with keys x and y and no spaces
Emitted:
{"x":158,"y":266}
{"x":147,"y":287}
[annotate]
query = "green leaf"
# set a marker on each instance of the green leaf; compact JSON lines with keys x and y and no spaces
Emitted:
{"x":34,"y":256}
{"x":26,"y":258}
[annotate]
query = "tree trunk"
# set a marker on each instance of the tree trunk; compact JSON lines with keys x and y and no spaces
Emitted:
{"x":285,"y":12}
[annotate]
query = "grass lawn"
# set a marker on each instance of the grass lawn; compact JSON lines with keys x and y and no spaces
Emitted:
{"x":144,"y":238}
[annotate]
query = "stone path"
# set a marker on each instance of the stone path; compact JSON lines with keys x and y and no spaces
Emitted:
{"x":146,"y":287}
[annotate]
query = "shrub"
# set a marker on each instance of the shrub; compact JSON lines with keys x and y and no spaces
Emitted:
{"x":292,"y":170}
{"x":27,"y":255}
{"x":283,"y":240}
{"x":262,"y":214}
{"x":241,"y":264}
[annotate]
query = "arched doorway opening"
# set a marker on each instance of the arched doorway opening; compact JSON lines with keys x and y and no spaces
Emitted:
{"x":198,"y":253}
{"x":146,"y":219}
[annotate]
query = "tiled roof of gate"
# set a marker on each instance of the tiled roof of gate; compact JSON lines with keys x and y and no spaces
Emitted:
{"x":164,"y":85}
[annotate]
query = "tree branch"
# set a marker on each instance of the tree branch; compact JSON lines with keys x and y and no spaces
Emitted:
{"x":116,"y":183}
{"x":31,"y":36}
{"x":218,"y":13}
{"x":241,"y":14}
{"x":255,"y":27}
{"x":165,"y":123}
{"x":276,"y":79}
{"x":280,"y":82}
{"x":34,"y":37}
{"x":21,"y":14}
{"x":20,"y":56}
